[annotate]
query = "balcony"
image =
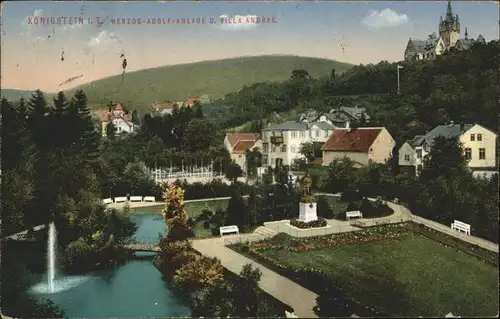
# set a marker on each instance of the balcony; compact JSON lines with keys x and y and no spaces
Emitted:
{"x":277,"y":139}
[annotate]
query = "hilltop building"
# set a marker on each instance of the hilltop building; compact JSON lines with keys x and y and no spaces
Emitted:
{"x":449,"y":37}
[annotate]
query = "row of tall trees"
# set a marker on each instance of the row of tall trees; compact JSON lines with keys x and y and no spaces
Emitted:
{"x":50,"y":173}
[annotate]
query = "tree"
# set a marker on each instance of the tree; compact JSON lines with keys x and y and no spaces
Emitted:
{"x":199,"y":134}
{"x":445,"y":159}
{"x":88,"y":139}
{"x":306,"y":149}
{"x":198,"y":274}
{"x":110,"y":131}
{"x":38,"y":125}
{"x":237,"y":212}
{"x":324,"y":209}
{"x":135,"y":176}
{"x":233,"y":171}
{"x":253,"y":159}
{"x":175,"y":214}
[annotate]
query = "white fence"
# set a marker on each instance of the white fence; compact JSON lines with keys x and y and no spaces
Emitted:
{"x":163,"y":174}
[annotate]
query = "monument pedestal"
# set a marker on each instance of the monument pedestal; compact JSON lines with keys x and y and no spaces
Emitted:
{"x":307,"y":212}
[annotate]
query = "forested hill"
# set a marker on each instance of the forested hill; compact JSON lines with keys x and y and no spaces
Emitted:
{"x":139,"y":89}
{"x":459,"y":86}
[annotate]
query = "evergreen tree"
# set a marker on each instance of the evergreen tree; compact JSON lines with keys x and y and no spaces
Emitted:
{"x":60,"y":120}
{"x":111,"y":131}
{"x":37,"y":121}
{"x":236,"y":211}
{"x":88,"y":142}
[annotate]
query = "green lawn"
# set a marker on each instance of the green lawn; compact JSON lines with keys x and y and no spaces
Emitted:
{"x":193,"y":209}
{"x":415,"y":273}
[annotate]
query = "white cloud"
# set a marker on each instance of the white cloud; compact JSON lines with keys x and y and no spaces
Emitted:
{"x":386,"y":18}
{"x":238,"y":22}
{"x":103,"y":38}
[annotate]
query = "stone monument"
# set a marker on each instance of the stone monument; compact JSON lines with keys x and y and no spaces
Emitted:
{"x":307,"y":204}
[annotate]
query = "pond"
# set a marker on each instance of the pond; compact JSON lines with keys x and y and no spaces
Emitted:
{"x":135,"y":289}
{"x":149,"y":227}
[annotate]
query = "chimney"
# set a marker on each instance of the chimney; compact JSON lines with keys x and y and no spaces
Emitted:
{"x":348,"y":126}
{"x":462,"y":126}
{"x":450,"y":123}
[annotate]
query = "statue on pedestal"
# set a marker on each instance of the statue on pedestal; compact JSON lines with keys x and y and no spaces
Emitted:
{"x":307,"y":205}
{"x":306,"y":186}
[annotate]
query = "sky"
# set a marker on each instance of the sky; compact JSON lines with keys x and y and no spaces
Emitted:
{"x":355,"y":32}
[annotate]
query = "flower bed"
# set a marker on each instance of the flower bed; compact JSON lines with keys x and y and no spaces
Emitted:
{"x":320,"y":222}
{"x":351,"y":238}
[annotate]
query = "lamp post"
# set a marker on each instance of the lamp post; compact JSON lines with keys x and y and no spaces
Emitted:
{"x":399,"y":67}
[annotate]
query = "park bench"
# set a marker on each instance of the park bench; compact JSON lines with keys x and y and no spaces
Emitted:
{"x":461,"y":226}
{"x":354,"y":213}
{"x":120,"y":199}
{"x":229,"y":229}
{"x":107,"y":201}
{"x":149,"y":199}
{"x":136,"y":198}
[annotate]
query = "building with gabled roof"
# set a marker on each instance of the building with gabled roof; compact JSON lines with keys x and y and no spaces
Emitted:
{"x":122,"y":121}
{"x":478,"y":142}
{"x":238,"y":144}
{"x":362,"y":145}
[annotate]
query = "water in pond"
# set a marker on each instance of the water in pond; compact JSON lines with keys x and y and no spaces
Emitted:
{"x":135,"y":289}
{"x":148,"y":228}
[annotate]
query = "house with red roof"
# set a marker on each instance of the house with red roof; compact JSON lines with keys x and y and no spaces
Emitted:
{"x":122,"y":122}
{"x":192,"y":101}
{"x":238,"y":144}
{"x":362,"y":145}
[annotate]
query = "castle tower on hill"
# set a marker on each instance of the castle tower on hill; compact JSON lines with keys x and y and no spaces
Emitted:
{"x":449,"y":37}
{"x":449,"y":28}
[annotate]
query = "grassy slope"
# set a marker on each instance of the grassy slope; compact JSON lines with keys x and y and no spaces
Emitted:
{"x":216,"y":78}
{"x":437,"y":279}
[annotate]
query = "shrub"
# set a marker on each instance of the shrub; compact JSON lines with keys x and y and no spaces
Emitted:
{"x":320,"y":222}
{"x":324,"y":209}
{"x":216,"y":188}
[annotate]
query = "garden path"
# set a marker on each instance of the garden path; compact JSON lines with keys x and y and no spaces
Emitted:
{"x":299,"y":298}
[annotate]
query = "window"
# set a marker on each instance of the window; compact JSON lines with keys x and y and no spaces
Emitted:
{"x":468,"y":153}
{"x":419,"y":154}
{"x":310,"y":134}
{"x":273,"y":149}
{"x":265,"y":146}
{"x":482,"y":153}
{"x":302,"y":134}
{"x":407,"y":157}
{"x":283,"y":148}
{"x":294,"y":134}
{"x":472,"y":137}
{"x":479,"y":137}
{"x":264,"y":135}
